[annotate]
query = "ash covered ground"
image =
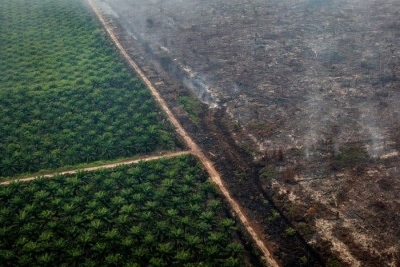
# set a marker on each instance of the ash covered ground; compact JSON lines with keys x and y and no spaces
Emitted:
{"x":316,"y":81}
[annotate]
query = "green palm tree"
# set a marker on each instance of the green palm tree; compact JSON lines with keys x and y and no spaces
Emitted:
{"x":63,"y":192}
{"x":93,"y":205}
{"x":177,"y":235}
{"x":126,"y":192}
{"x":151,"y":206}
{"x":23,"y":217}
{"x":52,"y":186}
{"x":184,"y":222}
{"x":138,"y":198}
{"x":102,"y":213}
{"x":165,"y":250}
{"x":147,"y":189}
{"x":136,"y":231}
{"x":129,"y":210}
{"x":128,"y":242}
{"x":87,"y":188}
{"x":117,"y":202}
{"x":96,"y":224}
{"x":5,"y":212}
{"x":176,"y":201}
{"x":78,"y":220}
{"x":74,"y":183}
{"x":112,"y":235}
{"x":69,"y":209}
{"x":7,"y":257}
{"x":114,"y":259}
{"x":46,"y":215}
{"x":192,"y":242}
{"x":140,"y":254}
{"x":182,"y":257}
{"x":122,"y":220}
{"x":30,"y":247}
{"x":88,"y":154}
{"x":90,"y":263}
{"x":194,"y":209}
{"x":184,"y":190}
{"x":196,"y":198}
{"x":59,"y":244}
{"x":203,"y":228}
{"x":46,"y":236}
{"x":212,"y":251}
{"x":207,"y":217}
{"x":86,"y":237}
{"x":234,"y":249}
{"x":24,"y":260}
{"x":161,"y":194}
{"x":217,"y":239}
{"x":100,"y":196}
{"x":28,"y":229}
{"x":214,"y":205}
{"x":157,"y":262}
{"x":228,"y":225}
{"x":75,"y":253}
{"x":6,"y":193}
{"x":100,"y":247}
{"x":16,"y":201}
{"x":109,"y":184}
{"x":231,"y":262}
{"x":161,"y":229}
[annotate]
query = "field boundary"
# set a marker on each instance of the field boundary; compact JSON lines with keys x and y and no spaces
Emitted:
{"x":193,"y":147}
{"x":106,"y":166}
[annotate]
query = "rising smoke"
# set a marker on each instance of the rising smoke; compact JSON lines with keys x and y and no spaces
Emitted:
{"x":307,"y":66}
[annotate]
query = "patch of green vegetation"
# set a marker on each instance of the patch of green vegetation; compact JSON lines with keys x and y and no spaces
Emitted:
{"x":268,"y":173}
{"x":275,"y":215}
{"x":304,"y":260}
{"x":334,"y":262}
{"x":290,"y":231}
{"x":158,"y":213}
{"x":305,"y":230}
{"x":65,"y":98}
{"x":350,"y":156}
{"x":192,"y":106}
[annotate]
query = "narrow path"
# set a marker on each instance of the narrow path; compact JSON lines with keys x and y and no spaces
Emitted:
{"x":107,"y":166}
{"x":195,"y":149}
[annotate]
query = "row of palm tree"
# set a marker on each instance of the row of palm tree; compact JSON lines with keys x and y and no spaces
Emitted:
{"x":159,"y":213}
{"x":64,"y":96}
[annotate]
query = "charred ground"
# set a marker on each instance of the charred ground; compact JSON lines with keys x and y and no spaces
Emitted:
{"x":304,"y":110}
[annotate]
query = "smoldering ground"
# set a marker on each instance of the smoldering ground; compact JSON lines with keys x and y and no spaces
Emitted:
{"x":325,"y":56}
{"x":317,"y":76}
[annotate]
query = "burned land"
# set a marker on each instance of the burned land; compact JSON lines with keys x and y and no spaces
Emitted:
{"x":308,"y":90}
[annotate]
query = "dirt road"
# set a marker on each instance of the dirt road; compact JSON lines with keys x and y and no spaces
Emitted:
{"x":108,"y":166}
{"x":194,"y":148}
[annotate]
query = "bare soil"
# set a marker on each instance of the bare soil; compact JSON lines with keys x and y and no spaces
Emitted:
{"x":301,"y":110}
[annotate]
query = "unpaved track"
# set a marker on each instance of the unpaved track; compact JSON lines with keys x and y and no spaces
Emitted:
{"x":107,"y":166}
{"x":195,"y":149}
